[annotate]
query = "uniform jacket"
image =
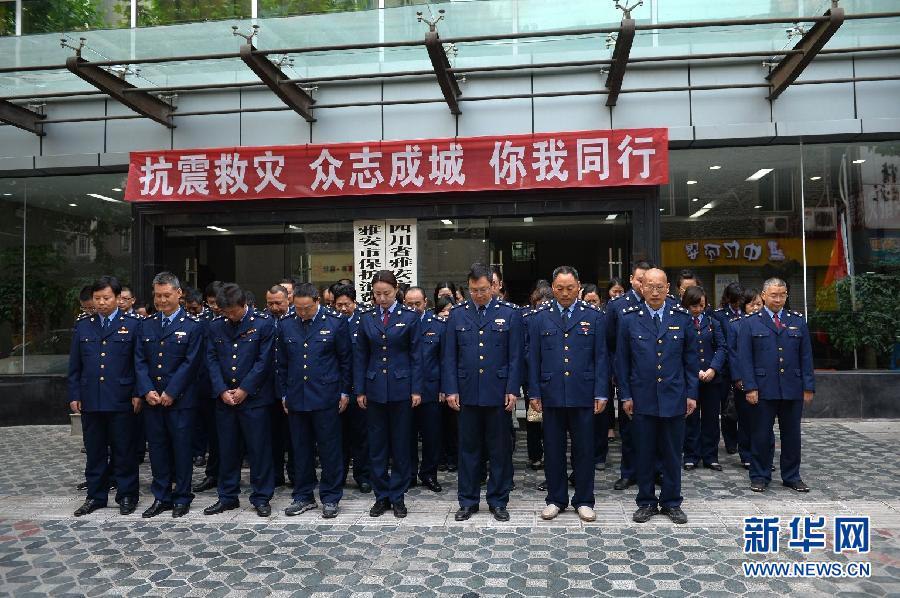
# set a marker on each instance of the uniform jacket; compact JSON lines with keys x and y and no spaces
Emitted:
{"x":387,"y":364}
{"x":169,"y":359}
{"x":776,"y":362}
{"x":242,"y":356}
{"x":657,"y":369}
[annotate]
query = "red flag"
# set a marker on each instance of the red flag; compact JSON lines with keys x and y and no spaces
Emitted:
{"x":837,"y":264}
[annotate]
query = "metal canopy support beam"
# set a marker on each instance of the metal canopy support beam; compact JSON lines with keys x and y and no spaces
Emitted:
{"x":272,"y":76}
{"x":23,"y":118}
{"x":620,"y":56}
{"x":142,"y":103}
{"x":441,"y":65}
{"x":791,"y":66}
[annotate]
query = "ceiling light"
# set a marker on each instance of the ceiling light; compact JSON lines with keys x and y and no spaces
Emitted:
{"x":116,"y":189}
{"x":218,"y":229}
{"x":7,"y":194}
{"x":662,"y":209}
{"x":860,"y":161}
{"x":445,"y":221}
{"x":692,"y":182}
{"x":294,"y":227}
{"x":759,"y":174}
{"x":814,"y":178}
{"x":757,"y":207}
{"x":708,"y":206}
{"x":104,"y":198}
{"x":528,"y":219}
{"x":74,"y":205}
{"x":715,"y":167}
{"x":699,"y":212}
{"x":611,"y":216}
{"x":696,"y":199}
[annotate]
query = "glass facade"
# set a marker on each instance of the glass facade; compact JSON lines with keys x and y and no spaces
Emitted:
{"x":57,"y":234}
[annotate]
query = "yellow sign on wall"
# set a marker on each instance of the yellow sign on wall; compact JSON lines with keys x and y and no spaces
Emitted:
{"x":755,"y":252}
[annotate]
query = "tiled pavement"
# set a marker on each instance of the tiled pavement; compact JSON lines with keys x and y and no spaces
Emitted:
{"x":853,"y":467}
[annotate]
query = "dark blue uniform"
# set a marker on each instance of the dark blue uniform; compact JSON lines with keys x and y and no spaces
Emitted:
{"x":482,"y":363}
{"x":101,"y":377}
{"x":242,"y":356}
{"x":387,"y":368}
{"x":656,"y":368}
{"x":701,"y":437}
{"x":355,"y":439}
{"x":313,"y":372}
{"x":729,"y":423}
{"x":777,"y":362}
{"x":427,"y":416}
{"x":167,"y":360}
{"x":568,"y":370}
{"x":614,"y":310}
{"x":281,"y":439}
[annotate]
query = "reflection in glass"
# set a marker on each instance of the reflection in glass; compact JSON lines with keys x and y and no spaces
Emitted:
{"x":47,"y":16}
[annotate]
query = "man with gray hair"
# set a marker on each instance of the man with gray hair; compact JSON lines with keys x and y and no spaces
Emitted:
{"x":777,"y":373}
{"x":168,"y":353}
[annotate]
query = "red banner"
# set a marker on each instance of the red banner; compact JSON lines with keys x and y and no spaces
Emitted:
{"x":540,"y":161}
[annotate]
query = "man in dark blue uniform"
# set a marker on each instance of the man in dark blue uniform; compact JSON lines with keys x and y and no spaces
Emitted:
{"x":101,"y":389}
{"x":313,"y":373}
{"x":656,"y":368}
{"x":777,"y":374}
{"x":354,"y":432}
{"x":481,"y":377}
{"x":614,"y":311}
{"x":279,"y":306}
{"x":568,"y":382}
{"x":166,"y":363}
{"x":427,"y":416}
{"x":240,"y":357}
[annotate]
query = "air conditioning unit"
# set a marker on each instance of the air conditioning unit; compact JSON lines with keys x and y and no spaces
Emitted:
{"x":777,"y":224}
{"x":820,"y":219}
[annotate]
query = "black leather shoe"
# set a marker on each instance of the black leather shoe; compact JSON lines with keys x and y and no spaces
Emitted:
{"x":379,"y":508}
{"x":675,"y":514}
{"x":181,"y":510}
{"x":690,"y":466}
{"x":745,"y":466}
{"x":758,"y":485}
{"x":644,"y":514}
{"x":219,"y":507}
{"x":208,"y":483}
{"x":365,"y":487}
{"x":89,"y":506}
{"x":713,"y":466}
{"x":400,"y":510}
{"x":464,"y":513}
{"x":433,"y":485}
{"x":731,"y":450}
{"x":799,"y":486}
{"x":156,"y":508}
{"x":300,"y":506}
{"x":82,"y":486}
{"x":623,"y":483}
{"x":500,"y":513}
{"x":263,"y":510}
{"x":127,"y":506}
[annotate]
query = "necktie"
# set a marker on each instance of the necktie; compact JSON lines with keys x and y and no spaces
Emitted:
{"x":777,"y":321}
{"x":697,"y":322}
{"x":103,"y":322}
{"x":657,"y":321}
{"x":165,"y":322}
{"x":385,"y":314}
{"x":481,"y":311}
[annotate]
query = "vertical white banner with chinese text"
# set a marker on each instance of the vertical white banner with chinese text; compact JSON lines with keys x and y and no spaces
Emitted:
{"x":384,"y":245}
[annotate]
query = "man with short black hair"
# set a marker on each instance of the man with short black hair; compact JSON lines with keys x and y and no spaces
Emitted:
{"x":354,"y":428}
{"x":126,"y":300}
{"x":240,"y":357}
{"x":481,"y":376}
{"x":313,"y":373}
{"x":101,"y":388}
{"x":686,"y":279}
{"x":166,"y":361}
{"x":614,"y":310}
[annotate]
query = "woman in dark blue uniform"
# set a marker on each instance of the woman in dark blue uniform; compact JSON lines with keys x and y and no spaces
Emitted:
{"x":387,"y":374}
{"x":701,"y":438}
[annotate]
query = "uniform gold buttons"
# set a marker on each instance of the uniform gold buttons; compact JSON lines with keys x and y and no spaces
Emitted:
{"x":481,"y":332}
{"x":566,"y":360}
{"x":566,"y":335}
{"x":233,"y":368}
{"x":781,"y":370}
{"x":234,"y":380}
{"x":103,"y":366}
{"x":104,"y":342}
{"x":160,"y":354}
{"x":384,"y":348}
{"x":102,"y":378}
{"x":481,"y":357}
{"x":480,"y":371}
{"x":159,"y":367}
{"x":565,"y":348}
{"x":104,"y":354}
{"x":158,"y":378}
{"x":659,"y":366}
{"x":659,"y":341}
{"x":384,"y":371}
{"x":305,"y":366}
{"x":305,"y":345}
{"x":567,"y":373}
{"x":659,"y":379}
{"x":658,"y":354}
{"x":235,"y":345}
{"x":233,"y":356}
{"x":480,"y":344}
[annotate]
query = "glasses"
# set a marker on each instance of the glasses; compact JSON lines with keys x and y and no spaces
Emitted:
{"x":479,"y":291}
{"x":654,"y":288}
{"x":777,"y":296}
